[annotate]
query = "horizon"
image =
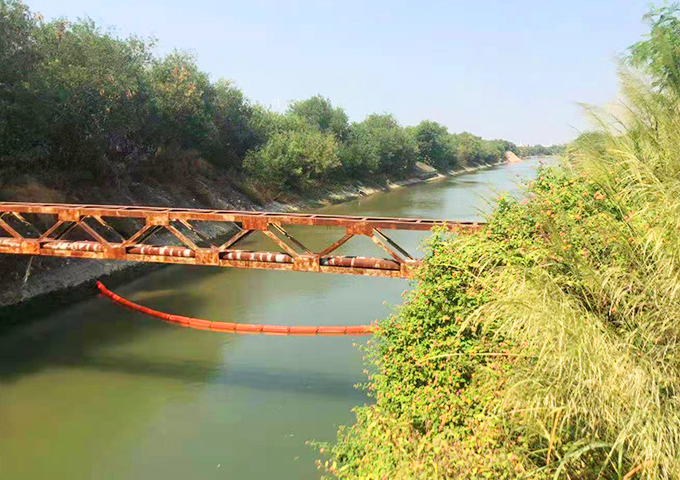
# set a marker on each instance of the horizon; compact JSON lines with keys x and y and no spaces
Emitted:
{"x":439,"y":71}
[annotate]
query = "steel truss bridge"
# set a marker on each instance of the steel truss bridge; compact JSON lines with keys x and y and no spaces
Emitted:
{"x":133,"y":233}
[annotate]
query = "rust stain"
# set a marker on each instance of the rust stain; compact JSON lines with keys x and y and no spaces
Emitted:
{"x":87,"y":221}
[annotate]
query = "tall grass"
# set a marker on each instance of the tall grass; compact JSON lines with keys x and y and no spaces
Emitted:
{"x":604,"y":319}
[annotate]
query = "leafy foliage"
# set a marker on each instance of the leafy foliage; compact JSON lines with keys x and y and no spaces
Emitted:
{"x":380,"y":144}
{"x":540,"y":150}
{"x":319,"y":112}
{"x":660,"y":53}
{"x":472,"y":150}
{"x":434,"y":145}
{"x":291,"y":160}
{"x":19,"y":57}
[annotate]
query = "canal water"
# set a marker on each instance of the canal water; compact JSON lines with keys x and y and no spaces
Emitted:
{"x":95,"y":391}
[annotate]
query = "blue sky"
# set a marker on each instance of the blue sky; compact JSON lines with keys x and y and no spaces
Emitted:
{"x":500,"y":69}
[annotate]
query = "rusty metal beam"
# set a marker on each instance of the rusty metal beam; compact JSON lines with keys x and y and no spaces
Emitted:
{"x":182,"y":238}
{"x":383,"y":223}
{"x":295,"y":241}
{"x":70,"y":225}
{"x":93,"y":233}
{"x":103,"y":223}
{"x":8,"y":228}
{"x":186,"y":251}
{"x":241,"y":235}
{"x":381,"y":243}
{"x":200,"y":235}
{"x":392,"y":243}
{"x":337,"y":244}
{"x":281,"y":243}
{"x":145,"y":232}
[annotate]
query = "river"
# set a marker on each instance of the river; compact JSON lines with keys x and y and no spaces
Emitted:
{"x":95,"y":391}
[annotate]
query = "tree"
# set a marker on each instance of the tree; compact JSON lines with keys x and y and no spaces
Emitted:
{"x":536,"y":150}
{"x":434,"y":147}
{"x":293,"y":160}
{"x":182,"y":104}
{"x":468,"y":148}
{"x":505,"y":146}
{"x":660,"y":54}
{"x":21,"y":127}
{"x":319,"y":112}
{"x":379,"y":144}
{"x":239,"y":125}
{"x":93,"y":92}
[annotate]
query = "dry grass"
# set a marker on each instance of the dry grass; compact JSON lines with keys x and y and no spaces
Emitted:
{"x":601,"y":386}
{"x":30,"y":191}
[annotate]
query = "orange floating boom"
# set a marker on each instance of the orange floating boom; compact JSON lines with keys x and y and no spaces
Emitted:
{"x":200,"y":324}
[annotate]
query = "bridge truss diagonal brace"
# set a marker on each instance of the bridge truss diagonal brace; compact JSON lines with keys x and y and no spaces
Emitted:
{"x":296,"y":242}
{"x":241,"y":235}
{"x":142,"y":234}
{"x":337,"y":244}
{"x":103,"y":223}
{"x":25,"y":222}
{"x":93,"y":233}
{"x":8,"y":228}
{"x":182,"y":238}
{"x":385,"y":243}
{"x":69,"y":225}
{"x":290,"y":250}
{"x":392,"y":243}
{"x":196,"y":232}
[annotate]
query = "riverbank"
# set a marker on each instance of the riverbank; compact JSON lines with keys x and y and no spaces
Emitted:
{"x":30,"y":284}
{"x":345,"y":193}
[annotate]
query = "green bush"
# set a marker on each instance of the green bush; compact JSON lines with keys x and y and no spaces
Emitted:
{"x":182,"y":103}
{"x":293,"y":160}
{"x":434,"y":145}
{"x":21,"y":128}
{"x":379,"y":145}
{"x":240,"y":126}
{"x":319,"y":113}
{"x":74,"y":95}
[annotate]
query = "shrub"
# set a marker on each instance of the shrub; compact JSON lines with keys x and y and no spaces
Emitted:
{"x":319,"y":113}
{"x":434,"y":145}
{"x":379,"y":144}
{"x":293,"y":160}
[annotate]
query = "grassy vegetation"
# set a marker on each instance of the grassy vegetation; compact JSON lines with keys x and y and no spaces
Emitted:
{"x":547,"y":345}
{"x":79,"y":105}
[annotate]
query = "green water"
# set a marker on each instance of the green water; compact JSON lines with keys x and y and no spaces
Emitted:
{"x":95,"y":391}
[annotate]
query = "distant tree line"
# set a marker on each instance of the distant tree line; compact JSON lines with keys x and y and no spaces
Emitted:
{"x":78,"y":99}
{"x":540,"y":150}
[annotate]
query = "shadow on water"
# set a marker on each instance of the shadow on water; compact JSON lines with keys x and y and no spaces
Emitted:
{"x":91,"y":326}
{"x":82,"y":334}
{"x":198,"y":371}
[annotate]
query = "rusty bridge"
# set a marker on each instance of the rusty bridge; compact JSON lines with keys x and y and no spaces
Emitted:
{"x":132,"y":233}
